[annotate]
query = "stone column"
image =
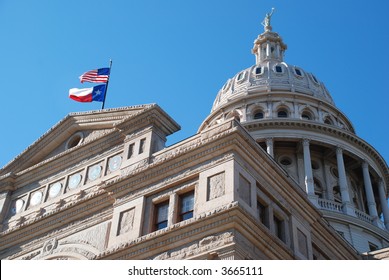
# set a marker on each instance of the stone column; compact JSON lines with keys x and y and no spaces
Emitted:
{"x":384,"y":202}
{"x":369,"y":192}
{"x":309,"y":186}
{"x":267,"y":49}
{"x":269,"y":147}
{"x":347,"y":206}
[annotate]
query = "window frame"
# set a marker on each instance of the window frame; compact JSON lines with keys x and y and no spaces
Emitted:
{"x":156,"y":221}
{"x":181,"y":214}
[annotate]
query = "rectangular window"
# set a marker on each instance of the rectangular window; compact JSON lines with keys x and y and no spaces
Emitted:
{"x":130,"y":151}
{"x":302,"y":243}
{"x":142,"y":145}
{"x":186,"y":206}
{"x":279,"y":228}
{"x":262,"y":213}
{"x":278,"y":69}
{"x":258,"y":70}
{"x":244,"y":190}
{"x":161,"y":215}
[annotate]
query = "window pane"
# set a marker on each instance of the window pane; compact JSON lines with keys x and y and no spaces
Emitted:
{"x":258,"y":115}
{"x":162,"y":212}
{"x":187,"y":205}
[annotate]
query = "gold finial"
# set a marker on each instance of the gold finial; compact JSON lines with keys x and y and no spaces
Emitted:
{"x":266,"y":21}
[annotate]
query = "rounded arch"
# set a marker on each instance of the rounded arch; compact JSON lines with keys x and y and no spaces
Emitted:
{"x":308,"y":113}
{"x":282,"y":109}
{"x":237,"y":114}
{"x":65,"y":256}
{"x":283,"y":112}
{"x":256,"y":112}
{"x":329,"y":119}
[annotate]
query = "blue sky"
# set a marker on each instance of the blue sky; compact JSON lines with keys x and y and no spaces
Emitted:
{"x":179,"y":54}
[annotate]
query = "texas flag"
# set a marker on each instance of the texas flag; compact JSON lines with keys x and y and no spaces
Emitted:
{"x":88,"y":94}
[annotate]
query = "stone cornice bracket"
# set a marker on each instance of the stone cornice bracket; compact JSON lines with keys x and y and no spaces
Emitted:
{"x":7,"y":182}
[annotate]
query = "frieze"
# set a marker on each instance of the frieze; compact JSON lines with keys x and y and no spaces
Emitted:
{"x":70,"y":229}
{"x":55,"y":221}
{"x":206,"y":244}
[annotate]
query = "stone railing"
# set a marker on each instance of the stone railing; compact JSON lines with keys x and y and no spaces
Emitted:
{"x":330,"y":205}
{"x":363,"y":216}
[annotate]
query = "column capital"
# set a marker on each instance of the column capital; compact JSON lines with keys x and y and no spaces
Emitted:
{"x":306,"y":141}
{"x":339,"y":149}
{"x":365,"y":164}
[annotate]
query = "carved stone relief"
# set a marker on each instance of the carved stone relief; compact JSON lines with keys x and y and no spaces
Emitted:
{"x":126,"y":221}
{"x":216,"y":186}
{"x":208,"y":243}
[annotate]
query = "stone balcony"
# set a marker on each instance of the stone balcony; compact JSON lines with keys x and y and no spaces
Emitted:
{"x":330,"y":205}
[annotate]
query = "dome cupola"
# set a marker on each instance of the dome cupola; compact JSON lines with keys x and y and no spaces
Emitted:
{"x":269,"y":45}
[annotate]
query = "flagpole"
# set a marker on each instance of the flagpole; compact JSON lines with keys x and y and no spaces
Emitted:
{"x":106,"y":86}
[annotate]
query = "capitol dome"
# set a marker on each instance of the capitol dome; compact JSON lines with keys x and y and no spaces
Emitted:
{"x":292,"y":116}
{"x":293,"y":92}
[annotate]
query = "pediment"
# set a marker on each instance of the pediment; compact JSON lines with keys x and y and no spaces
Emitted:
{"x":73,"y":130}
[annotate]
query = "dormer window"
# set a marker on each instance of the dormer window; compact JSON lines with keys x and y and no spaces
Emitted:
{"x":226,"y":85}
{"x":259,"y":70}
{"x":314,"y":79}
{"x":240,"y":77}
{"x":298,"y":72}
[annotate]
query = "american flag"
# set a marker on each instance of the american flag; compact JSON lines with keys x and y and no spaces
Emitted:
{"x":96,"y":76}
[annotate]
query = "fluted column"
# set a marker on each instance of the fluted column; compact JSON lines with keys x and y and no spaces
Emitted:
{"x":347,"y":206}
{"x":309,"y":186}
{"x":369,"y":192}
{"x":269,"y":147}
{"x":384,"y":203}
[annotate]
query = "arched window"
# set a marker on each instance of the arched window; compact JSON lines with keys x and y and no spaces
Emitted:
{"x":306,"y":115}
{"x":282,"y":113}
{"x":327,"y":120}
{"x":258,"y":115}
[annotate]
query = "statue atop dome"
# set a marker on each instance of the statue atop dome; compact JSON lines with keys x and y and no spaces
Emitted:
{"x":266,"y":21}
